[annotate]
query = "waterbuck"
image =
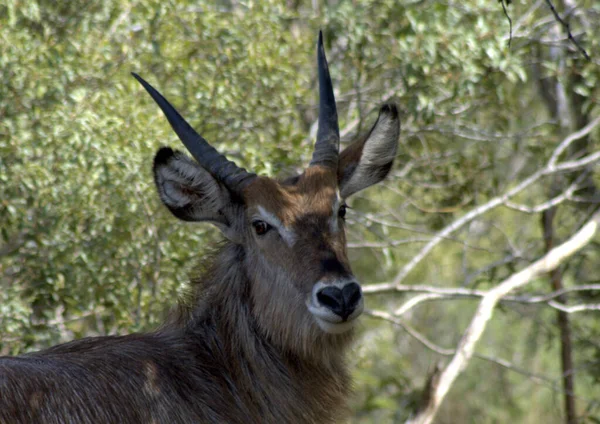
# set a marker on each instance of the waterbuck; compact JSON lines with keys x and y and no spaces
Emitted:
{"x":263,"y":334}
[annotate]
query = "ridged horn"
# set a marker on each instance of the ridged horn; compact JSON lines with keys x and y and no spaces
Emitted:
{"x":231,"y":175}
{"x":327,"y":145}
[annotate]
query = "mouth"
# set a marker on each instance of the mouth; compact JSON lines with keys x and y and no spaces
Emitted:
{"x":331,"y":323}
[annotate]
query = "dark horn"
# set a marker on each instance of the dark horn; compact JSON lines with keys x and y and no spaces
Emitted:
{"x":328,"y":135}
{"x":231,"y":175}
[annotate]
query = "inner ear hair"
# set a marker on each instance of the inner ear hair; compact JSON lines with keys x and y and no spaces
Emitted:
{"x":369,"y":159}
{"x":189,"y":191}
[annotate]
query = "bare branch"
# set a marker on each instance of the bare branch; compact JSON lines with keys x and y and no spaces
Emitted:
{"x":462,"y":292}
{"x":387,"y":244}
{"x":414,"y":301}
{"x":551,"y":168}
{"x":513,"y":257}
{"x":566,"y":195}
{"x":574,"y":308}
{"x":548,"y":381}
{"x":568,"y":29}
{"x":430,"y":293}
{"x":524,"y":18}
{"x":555,"y":294}
{"x":369,"y":217}
{"x":486,"y":307}
{"x":509,"y":20}
{"x":576,"y":164}
{"x":459,"y":223}
{"x":577,"y":135}
{"x":411,"y":331}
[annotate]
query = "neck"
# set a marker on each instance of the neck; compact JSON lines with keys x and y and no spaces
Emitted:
{"x":269,"y":363}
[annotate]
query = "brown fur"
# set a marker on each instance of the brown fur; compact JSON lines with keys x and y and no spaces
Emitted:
{"x":243,"y":348}
{"x":216,"y":366}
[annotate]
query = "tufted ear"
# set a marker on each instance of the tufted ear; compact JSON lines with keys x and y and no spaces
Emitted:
{"x":189,"y":191}
{"x":369,"y":159}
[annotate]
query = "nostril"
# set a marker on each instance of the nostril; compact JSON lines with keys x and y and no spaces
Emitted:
{"x":332,"y":298}
{"x":352,"y":295}
{"x":342,"y":302}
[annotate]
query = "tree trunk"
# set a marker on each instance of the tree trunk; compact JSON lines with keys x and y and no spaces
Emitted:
{"x":566,"y":346}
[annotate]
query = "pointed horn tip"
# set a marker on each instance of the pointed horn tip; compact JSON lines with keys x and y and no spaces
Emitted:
{"x":136,"y":76}
{"x":320,"y":47}
{"x":389,"y":108}
{"x":195,"y":144}
{"x":142,"y":81}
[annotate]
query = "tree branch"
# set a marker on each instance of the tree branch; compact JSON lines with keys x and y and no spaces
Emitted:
{"x":568,"y":29}
{"x":551,"y":168}
{"x":548,"y":381}
{"x":430,"y":293}
{"x":566,"y":195}
{"x":484,"y":312}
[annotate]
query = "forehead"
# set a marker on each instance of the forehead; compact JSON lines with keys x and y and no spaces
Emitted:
{"x":315,"y":191}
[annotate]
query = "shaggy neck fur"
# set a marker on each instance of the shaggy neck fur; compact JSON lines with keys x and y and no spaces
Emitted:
{"x":282,"y":369}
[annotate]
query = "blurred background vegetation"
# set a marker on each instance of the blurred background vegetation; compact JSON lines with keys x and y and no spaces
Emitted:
{"x":86,"y":248}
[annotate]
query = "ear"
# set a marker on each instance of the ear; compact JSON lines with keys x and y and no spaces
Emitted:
{"x":189,"y":191}
{"x":368,"y":160}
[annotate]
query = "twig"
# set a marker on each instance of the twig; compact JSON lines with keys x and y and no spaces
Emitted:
{"x":564,"y":145}
{"x":411,"y":331}
{"x":551,"y":168}
{"x":550,"y":382}
{"x":387,"y":244}
{"x":574,"y":308}
{"x":566,"y":195}
{"x":568,"y":28}
{"x":509,"y":21}
{"x":486,"y":307}
{"x":557,"y":293}
{"x":414,"y":301}
{"x":429,"y":293}
{"x":576,"y":164}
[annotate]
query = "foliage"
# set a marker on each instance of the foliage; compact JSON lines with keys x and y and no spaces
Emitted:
{"x":86,"y":249}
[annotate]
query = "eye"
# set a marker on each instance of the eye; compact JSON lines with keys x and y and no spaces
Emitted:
{"x":342,"y":211}
{"x":261,"y":227}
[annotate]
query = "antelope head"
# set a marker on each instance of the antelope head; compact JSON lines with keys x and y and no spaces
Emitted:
{"x":291,"y":231}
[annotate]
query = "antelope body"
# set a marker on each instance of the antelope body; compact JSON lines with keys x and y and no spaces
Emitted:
{"x":263,"y":336}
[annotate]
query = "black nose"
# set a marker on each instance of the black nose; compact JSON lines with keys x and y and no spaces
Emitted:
{"x":343,"y":301}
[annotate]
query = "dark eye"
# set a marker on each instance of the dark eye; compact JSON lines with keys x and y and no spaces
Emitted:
{"x":261,"y":227}
{"x":342,"y":211}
